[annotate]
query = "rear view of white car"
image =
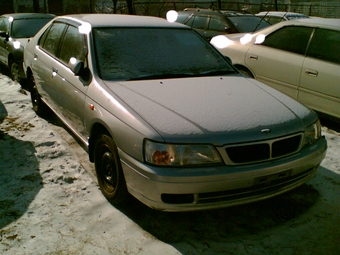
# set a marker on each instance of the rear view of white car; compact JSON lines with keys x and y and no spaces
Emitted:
{"x":300,"y":58}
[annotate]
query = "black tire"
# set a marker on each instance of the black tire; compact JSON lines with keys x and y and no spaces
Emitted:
{"x":38,"y":105}
{"x":245,"y":71}
{"x":109,"y":170}
{"x":14,"y":70}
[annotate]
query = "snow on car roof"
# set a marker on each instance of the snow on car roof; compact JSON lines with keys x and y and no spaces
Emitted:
{"x":121,"y":20}
{"x":281,"y":14}
{"x":321,"y":22}
{"x":28,"y":15}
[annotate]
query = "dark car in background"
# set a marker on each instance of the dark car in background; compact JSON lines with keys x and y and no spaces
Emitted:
{"x":210,"y":23}
{"x":15,"y":30}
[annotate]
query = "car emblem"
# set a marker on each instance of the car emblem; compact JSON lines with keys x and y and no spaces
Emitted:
{"x":266,"y":131}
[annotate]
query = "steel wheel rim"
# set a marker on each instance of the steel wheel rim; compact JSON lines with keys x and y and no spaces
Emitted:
{"x":109,"y":171}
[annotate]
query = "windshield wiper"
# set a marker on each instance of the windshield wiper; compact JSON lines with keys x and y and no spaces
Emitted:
{"x":184,"y":75}
{"x":161,"y":76}
{"x":217,"y":72}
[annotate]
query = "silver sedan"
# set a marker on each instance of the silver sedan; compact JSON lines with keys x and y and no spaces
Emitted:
{"x":166,"y":117}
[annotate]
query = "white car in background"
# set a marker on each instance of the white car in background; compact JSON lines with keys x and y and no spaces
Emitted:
{"x":300,"y":58}
{"x":273,"y":17}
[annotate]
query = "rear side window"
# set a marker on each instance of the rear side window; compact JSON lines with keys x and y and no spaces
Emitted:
{"x":293,"y":39}
{"x":325,"y":45}
{"x":51,"y":38}
{"x":182,"y":17}
{"x":199,"y":22}
{"x":73,"y":45}
{"x":217,"y":25}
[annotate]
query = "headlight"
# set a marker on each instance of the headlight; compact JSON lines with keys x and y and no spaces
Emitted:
{"x":312,"y":134}
{"x":180,"y":155}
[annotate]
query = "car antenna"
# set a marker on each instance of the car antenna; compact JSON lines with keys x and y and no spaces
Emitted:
{"x":260,"y":22}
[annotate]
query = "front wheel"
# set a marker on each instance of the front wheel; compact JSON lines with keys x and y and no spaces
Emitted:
{"x":109,"y":170}
{"x":245,"y":71}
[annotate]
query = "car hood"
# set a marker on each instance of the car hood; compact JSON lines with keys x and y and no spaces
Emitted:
{"x":214,"y":110}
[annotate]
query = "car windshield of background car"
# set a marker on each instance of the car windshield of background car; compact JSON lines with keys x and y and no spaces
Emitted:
{"x":138,"y":53}
{"x":26,"y":28}
{"x":248,"y":23}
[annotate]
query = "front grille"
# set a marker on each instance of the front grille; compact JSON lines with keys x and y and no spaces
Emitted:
{"x":257,"y":190}
{"x":264,"y":150}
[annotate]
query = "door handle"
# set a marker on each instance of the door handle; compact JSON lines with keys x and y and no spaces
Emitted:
{"x":35,"y":56}
{"x":54,"y":71}
{"x":311,"y":72}
{"x":253,"y":57}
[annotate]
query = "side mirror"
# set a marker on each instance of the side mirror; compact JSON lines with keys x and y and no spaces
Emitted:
{"x":76,"y":66}
{"x":228,"y":60}
{"x":229,"y":30}
{"x":4,"y":34}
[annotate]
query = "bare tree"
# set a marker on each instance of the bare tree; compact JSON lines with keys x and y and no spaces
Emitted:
{"x":36,"y":5}
{"x":114,"y":6}
{"x":130,"y":6}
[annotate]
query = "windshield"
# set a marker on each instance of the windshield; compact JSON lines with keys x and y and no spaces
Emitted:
{"x":246,"y":24}
{"x":26,"y":28}
{"x":141,"y":53}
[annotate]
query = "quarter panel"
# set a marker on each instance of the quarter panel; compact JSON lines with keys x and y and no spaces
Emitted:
{"x":321,"y":91}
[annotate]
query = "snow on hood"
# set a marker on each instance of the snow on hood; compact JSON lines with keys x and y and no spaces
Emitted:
{"x":230,"y":107}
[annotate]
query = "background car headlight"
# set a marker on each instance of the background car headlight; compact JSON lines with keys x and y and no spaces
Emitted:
{"x":312,"y":134}
{"x":180,"y":155}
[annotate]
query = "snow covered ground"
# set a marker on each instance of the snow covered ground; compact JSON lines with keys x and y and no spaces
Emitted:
{"x":50,"y":202}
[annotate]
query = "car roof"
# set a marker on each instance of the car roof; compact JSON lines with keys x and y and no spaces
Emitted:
{"x":280,"y":14}
{"x":28,"y":15}
{"x":316,"y":22}
{"x":215,"y":12}
{"x":122,"y":20}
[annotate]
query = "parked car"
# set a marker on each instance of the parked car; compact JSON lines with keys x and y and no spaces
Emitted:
{"x":300,"y":58}
{"x":15,"y":30}
{"x":273,"y":17}
{"x":210,"y":23}
{"x":178,"y":130}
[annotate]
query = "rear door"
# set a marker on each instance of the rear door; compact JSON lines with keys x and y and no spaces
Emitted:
{"x":44,"y":56}
{"x":320,"y":76}
{"x":277,"y":62}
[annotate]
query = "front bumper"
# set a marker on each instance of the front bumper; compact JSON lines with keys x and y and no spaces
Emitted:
{"x":189,"y":189}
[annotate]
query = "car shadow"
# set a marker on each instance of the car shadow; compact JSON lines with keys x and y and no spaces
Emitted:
{"x":330,"y":122}
{"x":20,"y":180}
{"x":221,"y":224}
